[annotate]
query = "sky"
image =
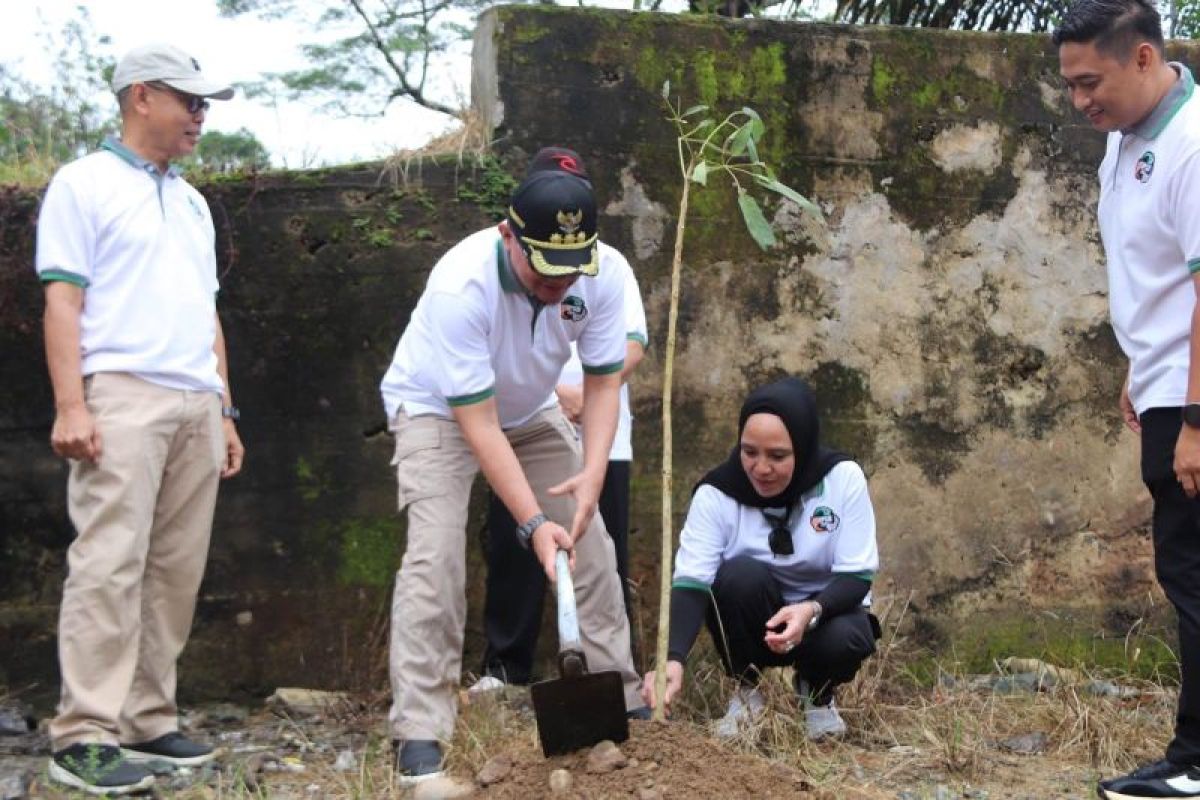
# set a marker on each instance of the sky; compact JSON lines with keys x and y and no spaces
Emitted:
{"x":236,"y":50}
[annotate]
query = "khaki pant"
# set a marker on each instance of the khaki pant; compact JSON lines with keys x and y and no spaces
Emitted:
{"x":435,"y":468}
{"x":143,"y":516}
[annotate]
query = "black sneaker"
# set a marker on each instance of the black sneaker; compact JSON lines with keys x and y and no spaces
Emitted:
{"x":98,"y":769}
{"x":174,"y":748}
{"x":1160,"y":779}
{"x":419,"y":760}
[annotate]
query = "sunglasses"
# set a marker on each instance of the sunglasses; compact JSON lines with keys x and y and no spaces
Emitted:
{"x":780,"y":537}
{"x":193,"y":103}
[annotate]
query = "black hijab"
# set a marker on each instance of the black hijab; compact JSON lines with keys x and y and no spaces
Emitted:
{"x":793,"y":402}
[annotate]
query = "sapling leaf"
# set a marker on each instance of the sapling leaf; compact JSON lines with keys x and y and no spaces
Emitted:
{"x":700,"y":173}
{"x":756,"y":223}
{"x":768,"y":182}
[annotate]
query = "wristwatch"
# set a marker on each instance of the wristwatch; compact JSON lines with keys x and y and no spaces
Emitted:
{"x":231,"y":412}
{"x":1191,"y":415}
{"x":816,"y":617}
{"x":525,"y":531}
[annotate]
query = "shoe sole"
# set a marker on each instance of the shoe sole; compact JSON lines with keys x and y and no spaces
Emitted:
{"x":67,"y":778}
{"x":413,"y":780}
{"x":140,"y":757}
{"x":1109,"y":794}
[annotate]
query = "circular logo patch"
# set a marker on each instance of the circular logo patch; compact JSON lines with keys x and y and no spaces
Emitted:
{"x":824,"y":520}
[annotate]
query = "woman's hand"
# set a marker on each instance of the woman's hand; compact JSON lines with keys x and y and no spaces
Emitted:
{"x":794,"y":619}
{"x":674,"y":686}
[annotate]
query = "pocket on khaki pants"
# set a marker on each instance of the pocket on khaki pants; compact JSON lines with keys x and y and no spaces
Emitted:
{"x":415,"y":444}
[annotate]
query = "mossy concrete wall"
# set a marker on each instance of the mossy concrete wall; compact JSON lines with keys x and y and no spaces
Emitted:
{"x":951,"y":316}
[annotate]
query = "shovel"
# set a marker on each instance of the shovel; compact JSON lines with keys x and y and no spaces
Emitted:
{"x":580,"y":708}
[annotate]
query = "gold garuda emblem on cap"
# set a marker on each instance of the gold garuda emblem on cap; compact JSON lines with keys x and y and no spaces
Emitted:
{"x":568,"y":224}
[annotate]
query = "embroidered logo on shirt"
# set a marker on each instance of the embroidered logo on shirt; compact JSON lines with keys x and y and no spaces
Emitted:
{"x":572,"y":308}
{"x":824,"y":520}
{"x":1144,"y":167}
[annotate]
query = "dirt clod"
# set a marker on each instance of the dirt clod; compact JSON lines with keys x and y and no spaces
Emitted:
{"x":442,"y":789}
{"x":560,"y":781}
{"x":495,"y":770}
{"x":605,"y":757}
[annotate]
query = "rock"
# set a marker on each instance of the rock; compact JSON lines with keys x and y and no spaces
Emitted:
{"x":14,"y":721}
{"x":1027,"y":744}
{"x":345,"y":762}
{"x":649,"y":794}
{"x":244,"y":618}
{"x":443,"y":788}
{"x":307,"y":701}
{"x":560,"y":781}
{"x":14,"y":783}
{"x":1110,"y":689}
{"x":226,"y":714}
{"x":495,"y":770}
{"x":605,"y":757}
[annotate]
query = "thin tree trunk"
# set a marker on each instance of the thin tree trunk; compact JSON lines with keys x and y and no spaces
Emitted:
{"x":668,"y":525}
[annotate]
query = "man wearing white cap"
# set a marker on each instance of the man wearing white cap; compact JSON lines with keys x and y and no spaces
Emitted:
{"x":144,"y":413}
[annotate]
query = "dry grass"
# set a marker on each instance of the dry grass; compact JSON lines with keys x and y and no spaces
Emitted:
{"x":469,"y":141}
{"x":904,"y":736}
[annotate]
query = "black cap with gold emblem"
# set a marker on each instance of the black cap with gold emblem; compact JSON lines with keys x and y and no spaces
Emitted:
{"x":553,"y":215}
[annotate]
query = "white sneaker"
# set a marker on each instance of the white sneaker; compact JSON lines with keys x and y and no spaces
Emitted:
{"x":823,"y":721}
{"x":485,"y":685}
{"x":746,"y":707}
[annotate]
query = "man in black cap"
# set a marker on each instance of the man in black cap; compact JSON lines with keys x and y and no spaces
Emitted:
{"x":470,"y":388}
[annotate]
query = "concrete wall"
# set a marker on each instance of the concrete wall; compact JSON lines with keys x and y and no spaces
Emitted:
{"x":951,"y":315}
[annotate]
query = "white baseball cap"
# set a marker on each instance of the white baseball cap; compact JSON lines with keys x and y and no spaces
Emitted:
{"x":170,"y":65}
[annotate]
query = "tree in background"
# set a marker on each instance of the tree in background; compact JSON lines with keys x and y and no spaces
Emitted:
{"x":42,"y":127}
{"x":240,"y":151}
{"x":1181,"y":18}
{"x":375,"y":51}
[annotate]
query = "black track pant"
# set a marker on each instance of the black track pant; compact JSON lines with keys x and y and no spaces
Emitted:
{"x":747,"y":596}
{"x":516,"y":584}
{"x":1177,"y":563}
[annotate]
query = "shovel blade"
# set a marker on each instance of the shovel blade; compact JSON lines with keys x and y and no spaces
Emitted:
{"x":577,"y":712}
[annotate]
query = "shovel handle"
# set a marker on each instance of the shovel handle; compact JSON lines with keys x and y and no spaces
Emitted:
{"x":568,"y":620}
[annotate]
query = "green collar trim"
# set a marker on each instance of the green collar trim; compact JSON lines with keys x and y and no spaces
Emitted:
{"x":115,"y":146}
{"x":508,"y":281}
{"x":1180,"y":92}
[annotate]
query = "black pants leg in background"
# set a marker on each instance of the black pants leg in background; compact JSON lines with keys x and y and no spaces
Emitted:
{"x":1177,"y":564}
{"x":516,"y":584}
{"x":516,"y":590}
{"x":747,"y":596}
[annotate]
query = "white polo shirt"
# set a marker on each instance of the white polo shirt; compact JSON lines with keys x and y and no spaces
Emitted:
{"x":141,"y":245}
{"x":635,"y":331}
{"x":833,"y":533}
{"x":1150,"y":223}
{"x":475,"y":334}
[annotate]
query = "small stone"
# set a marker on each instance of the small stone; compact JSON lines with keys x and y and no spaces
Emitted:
{"x":943,"y":792}
{"x":225,"y":714}
{"x":1027,"y":744}
{"x":244,"y":619}
{"x":444,"y":788}
{"x":14,"y":721}
{"x":345,"y":762}
{"x":605,"y":757}
{"x":649,"y":794}
{"x":633,"y":762}
{"x":650,"y":766}
{"x":560,"y":781}
{"x":14,"y":785}
{"x":495,"y":770}
{"x":307,"y":701}
{"x":905,"y":750}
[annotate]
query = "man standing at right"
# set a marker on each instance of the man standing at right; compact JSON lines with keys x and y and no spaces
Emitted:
{"x":1111,"y":56}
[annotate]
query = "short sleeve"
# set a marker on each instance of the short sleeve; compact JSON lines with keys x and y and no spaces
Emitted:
{"x":66,"y":235}
{"x":459,"y":336}
{"x":602,"y":342}
{"x":1186,"y":183}
{"x":635,"y":313}
{"x":855,"y":551}
{"x":706,"y":532}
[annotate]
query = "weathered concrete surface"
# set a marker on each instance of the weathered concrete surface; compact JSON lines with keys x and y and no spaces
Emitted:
{"x":951,"y":316}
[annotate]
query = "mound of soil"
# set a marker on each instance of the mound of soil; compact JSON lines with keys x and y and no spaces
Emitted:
{"x":673,"y":760}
